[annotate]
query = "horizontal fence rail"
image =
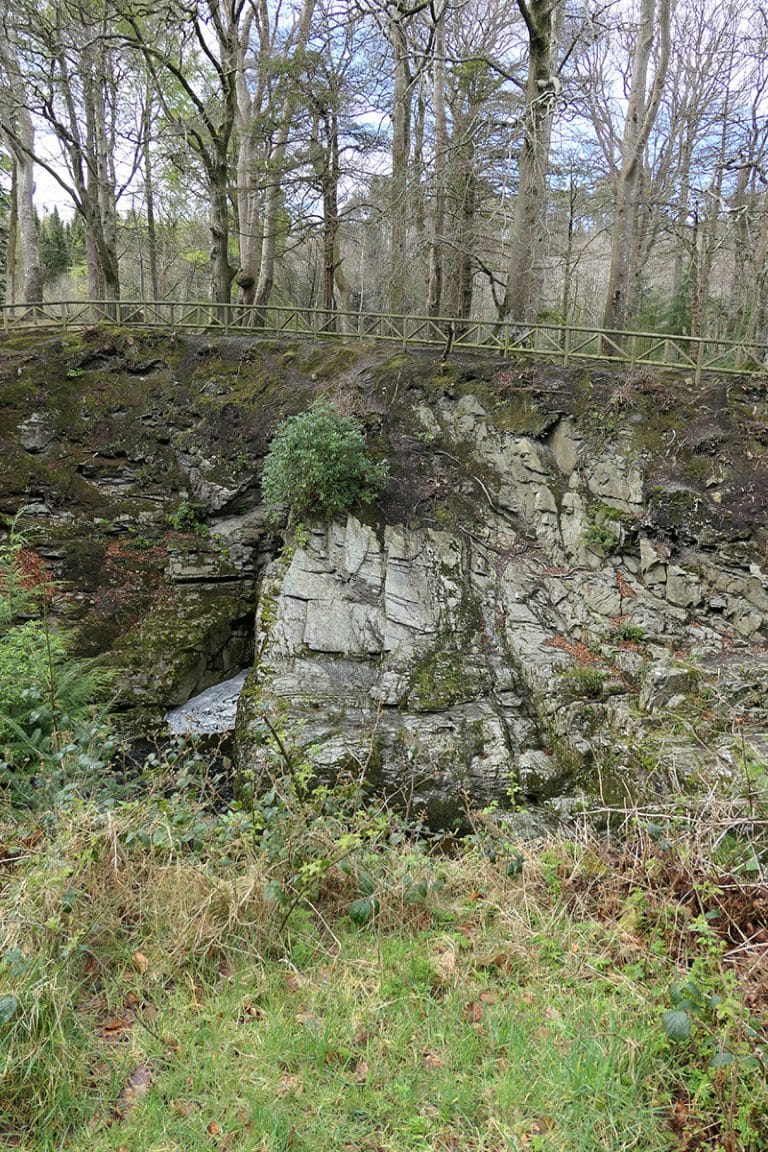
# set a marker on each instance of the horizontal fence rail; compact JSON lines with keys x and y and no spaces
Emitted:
{"x":551,"y":341}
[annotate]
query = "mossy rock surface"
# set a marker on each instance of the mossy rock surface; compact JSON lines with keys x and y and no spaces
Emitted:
{"x":184,"y":644}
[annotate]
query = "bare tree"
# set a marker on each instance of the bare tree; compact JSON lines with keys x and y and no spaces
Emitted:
{"x":18,"y":132}
{"x":543,"y":21}
{"x":653,"y":29}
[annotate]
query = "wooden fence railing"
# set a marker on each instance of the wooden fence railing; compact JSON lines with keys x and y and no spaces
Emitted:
{"x":551,"y":341}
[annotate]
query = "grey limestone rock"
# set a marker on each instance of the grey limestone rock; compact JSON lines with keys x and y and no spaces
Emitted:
{"x":442,"y":661}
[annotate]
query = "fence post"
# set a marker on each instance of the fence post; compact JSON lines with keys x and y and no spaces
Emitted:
{"x":699,"y":360}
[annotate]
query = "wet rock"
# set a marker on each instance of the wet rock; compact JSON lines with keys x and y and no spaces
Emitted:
{"x":662,"y":683}
{"x":211,"y":711}
{"x":540,"y":775}
{"x":37,"y":432}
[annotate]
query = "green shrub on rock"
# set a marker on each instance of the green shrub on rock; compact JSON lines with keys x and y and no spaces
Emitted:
{"x":318,"y":464}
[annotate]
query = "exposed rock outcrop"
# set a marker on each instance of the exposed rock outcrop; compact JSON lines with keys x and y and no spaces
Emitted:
{"x":546,"y":645}
{"x":561,"y":595}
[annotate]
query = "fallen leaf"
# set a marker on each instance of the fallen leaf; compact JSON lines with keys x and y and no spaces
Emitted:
{"x":488,"y":996}
{"x":183,"y":1107}
{"x":134,"y":1089}
{"x":251,"y":1011}
{"x":289,"y":1086}
{"x":432,"y":1060}
{"x":473,"y":1012}
{"x":114,"y":1030}
{"x":360,"y":1071}
{"x":140,"y":962}
{"x":213,"y":1129}
{"x":444,"y":966}
{"x":308,"y":1020}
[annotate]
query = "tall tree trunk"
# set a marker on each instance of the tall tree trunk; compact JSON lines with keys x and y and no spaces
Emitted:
{"x":401,"y":147}
{"x":758,"y":312}
{"x":273,"y":196}
{"x":461,"y":204}
{"x":522,"y":297}
{"x":437,"y":224}
{"x":11,"y":251}
{"x":149,"y":203}
{"x":96,"y":286}
{"x":22,"y":237}
{"x":222,"y":272}
{"x":641,"y":116}
{"x":683,"y":206}
{"x":566,"y":299}
{"x":32,"y":271}
{"x":97,"y":196}
{"x":737,"y":303}
{"x":249,"y":229}
{"x":331,"y":219}
{"x":249,"y":105}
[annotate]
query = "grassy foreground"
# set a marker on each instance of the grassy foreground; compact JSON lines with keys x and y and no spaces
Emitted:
{"x":173,"y":981}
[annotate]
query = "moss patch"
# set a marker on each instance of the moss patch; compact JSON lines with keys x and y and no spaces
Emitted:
{"x":442,"y":679}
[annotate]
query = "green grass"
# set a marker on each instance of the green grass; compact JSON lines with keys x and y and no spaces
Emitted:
{"x":497,"y":1013}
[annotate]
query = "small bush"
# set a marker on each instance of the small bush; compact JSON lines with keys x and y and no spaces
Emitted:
{"x":318,"y":464}
{"x":46,"y":694}
{"x":189,"y":517}
{"x":586,"y":683}
{"x":631,"y":633}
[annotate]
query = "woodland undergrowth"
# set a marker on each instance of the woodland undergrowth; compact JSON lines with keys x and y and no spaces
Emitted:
{"x":194,"y":958}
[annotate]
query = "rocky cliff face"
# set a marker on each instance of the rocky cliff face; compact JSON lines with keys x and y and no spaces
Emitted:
{"x":562,"y":597}
{"x":553,"y":646}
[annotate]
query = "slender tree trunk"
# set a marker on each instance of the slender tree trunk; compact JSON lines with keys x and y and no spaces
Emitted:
{"x":149,"y":200}
{"x":401,"y":147}
{"x":461,"y":204}
{"x":32,"y":272}
{"x":331,"y":218}
{"x":758,"y":313}
{"x":249,"y":230}
{"x":222,"y":272}
{"x":11,"y":273}
{"x":679,"y":265}
{"x":694,"y":277}
{"x":437,"y":236}
{"x":641,"y":116}
{"x":737,"y":304}
{"x":273,"y":196}
{"x":416,"y":165}
{"x":20,"y":135}
{"x":96,"y":287}
{"x":567,"y":296}
{"x":527,"y":252}
{"x":98,"y":202}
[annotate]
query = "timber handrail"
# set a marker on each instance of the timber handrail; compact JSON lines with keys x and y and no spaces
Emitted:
{"x":567,"y":343}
